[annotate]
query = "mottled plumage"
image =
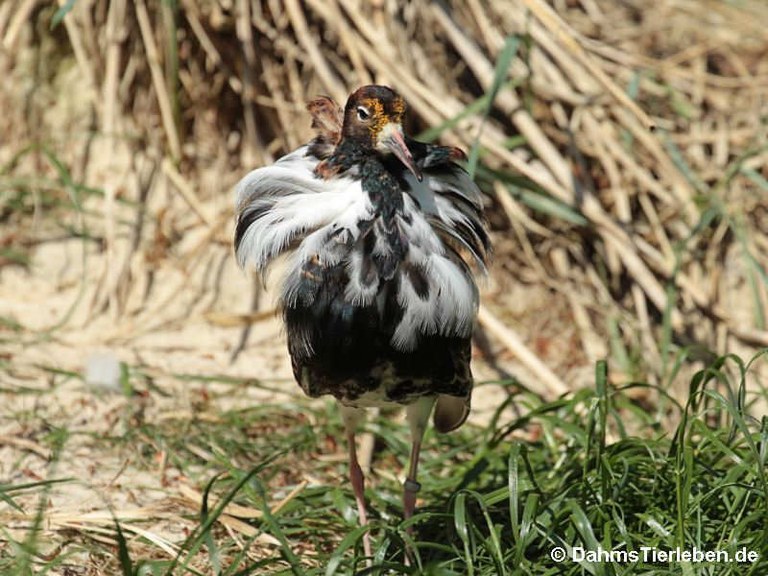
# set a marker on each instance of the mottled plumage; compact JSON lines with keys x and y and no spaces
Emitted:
{"x":384,"y":235}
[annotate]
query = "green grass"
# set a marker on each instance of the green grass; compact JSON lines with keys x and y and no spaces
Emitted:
{"x":594,"y":471}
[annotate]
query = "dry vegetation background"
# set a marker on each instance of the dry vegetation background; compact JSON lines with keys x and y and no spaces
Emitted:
{"x":623,"y":156}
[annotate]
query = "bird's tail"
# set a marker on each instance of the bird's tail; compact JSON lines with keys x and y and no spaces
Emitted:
{"x":450,"y":412}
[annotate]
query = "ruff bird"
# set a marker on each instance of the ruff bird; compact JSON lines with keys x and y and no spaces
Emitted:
{"x":384,"y":237}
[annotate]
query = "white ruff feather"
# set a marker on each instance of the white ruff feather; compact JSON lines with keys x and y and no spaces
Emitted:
{"x":452,"y":301}
{"x":449,"y":309}
{"x":357,"y":292}
{"x":286,"y":201}
{"x":329,"y":250}
{"x":293,"y":200}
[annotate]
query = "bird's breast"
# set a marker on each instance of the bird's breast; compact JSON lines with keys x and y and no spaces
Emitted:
{"x":380,"y":260}
{"x":378,"y":297}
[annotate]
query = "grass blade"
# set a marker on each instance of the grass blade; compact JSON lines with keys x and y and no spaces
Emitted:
{"x":503,"y":62}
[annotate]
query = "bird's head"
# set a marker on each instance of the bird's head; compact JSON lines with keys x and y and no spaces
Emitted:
{"x":373,"y":119}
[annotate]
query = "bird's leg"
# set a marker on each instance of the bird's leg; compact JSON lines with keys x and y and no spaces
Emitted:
{"x":417,"y":415}
{"x":351,"y":417}
{"x":411,"y":486}
{"x":358,"y":486}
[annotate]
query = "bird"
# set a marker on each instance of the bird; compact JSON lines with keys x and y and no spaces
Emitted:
{"x":384,"y":239}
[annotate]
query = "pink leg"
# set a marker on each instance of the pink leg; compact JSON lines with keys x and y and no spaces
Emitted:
{"x":411,"y":486}
{"x":358,"y":486}
{"x":351,"y":416}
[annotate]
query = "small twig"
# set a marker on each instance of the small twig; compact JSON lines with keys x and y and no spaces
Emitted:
{"x":254,"y":144}
{"x":6,"y":10}
{"x":232,"y":509}
{"x":550,"y":383}
{"x":646,"y":331}
{"x":110,"y":122}
{"x":566,"y":35}
{"x":17,"y":22}
{"x":592,"y":344}
{"x":186,"y":192}
{"x":158,"y":81}
{"x":484,"y":72}
{"x":254,"y":316}
{"x":332,"y":14}
{"x":307,"y":40}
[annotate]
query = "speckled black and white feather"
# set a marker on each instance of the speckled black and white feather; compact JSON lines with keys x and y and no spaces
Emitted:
{"x":379,"y":296}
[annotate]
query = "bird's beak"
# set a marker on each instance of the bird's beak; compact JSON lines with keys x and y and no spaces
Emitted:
{"x":391,"y":139}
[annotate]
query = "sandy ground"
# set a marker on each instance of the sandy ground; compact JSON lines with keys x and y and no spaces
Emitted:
{"x":172,"y":310}
{"x":175,"y":323}
{"x":169,"y":302}
{"x":174,"y":319}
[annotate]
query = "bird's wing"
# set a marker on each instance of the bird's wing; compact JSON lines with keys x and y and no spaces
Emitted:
{"x":452,"y":204}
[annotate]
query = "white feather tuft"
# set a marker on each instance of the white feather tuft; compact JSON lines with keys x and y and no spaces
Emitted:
{"x":449,"y":310}
{"x":286,"y":201}
{"x":290,"y":201}
{"x":356,"y":292}
{"x":452,"y":301}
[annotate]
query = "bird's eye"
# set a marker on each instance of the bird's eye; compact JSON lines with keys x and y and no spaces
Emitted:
{"x":362,"y":113}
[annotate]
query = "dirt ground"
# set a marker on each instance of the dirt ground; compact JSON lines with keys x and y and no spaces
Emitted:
{"x":180,"y":334}
{"x":140,"y":277}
